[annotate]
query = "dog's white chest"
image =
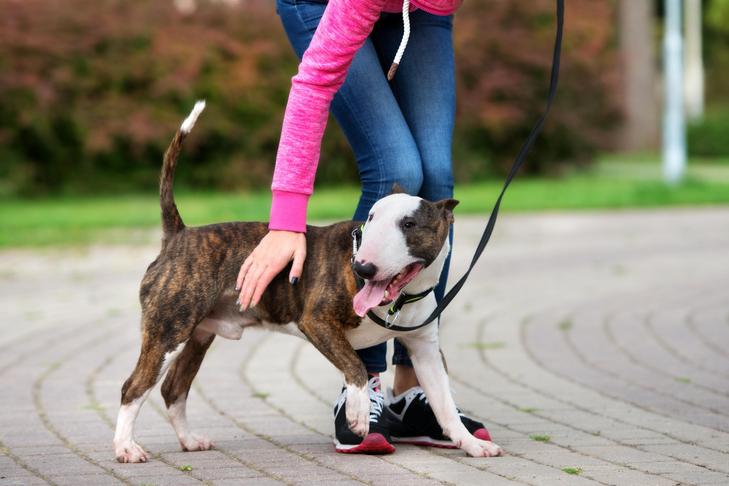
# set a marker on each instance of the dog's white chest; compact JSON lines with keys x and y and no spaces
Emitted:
{"x":367,"y":334}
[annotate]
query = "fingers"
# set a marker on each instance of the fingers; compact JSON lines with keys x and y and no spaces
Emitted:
{"x":297,"y":267}
{"x":249,"y":284}
{"x":243,"y":271}
{"x":262,"y":283}
{"x":269,"y":258}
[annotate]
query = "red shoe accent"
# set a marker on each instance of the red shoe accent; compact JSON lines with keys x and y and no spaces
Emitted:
{"x":482,"y":434}
{"x":373,"y":443}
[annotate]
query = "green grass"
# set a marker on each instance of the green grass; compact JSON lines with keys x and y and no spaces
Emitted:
{"x":566,"y":325}
{"x":95,"y":406}
{"x":540,"y":437}
{"x":612,"y":184}
{"x":528,"y":409}
{"x":186,"y":467}
{"x":572,"y":470}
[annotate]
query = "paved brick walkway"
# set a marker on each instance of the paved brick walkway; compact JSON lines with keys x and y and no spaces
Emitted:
{"x":598,"y":342}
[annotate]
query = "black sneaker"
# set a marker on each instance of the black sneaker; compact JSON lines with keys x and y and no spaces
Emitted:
{"x":414,"y":421}
{"x":377,"y":441}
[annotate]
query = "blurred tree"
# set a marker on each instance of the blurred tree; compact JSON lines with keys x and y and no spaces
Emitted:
{"x":640,"y":99}
{"x":716,"y":50}
{"x":693,"y":60}
{"x":707,"y":137}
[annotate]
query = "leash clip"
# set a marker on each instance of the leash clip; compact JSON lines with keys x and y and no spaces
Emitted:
{"x":389,"y":324}
{"x":356,"y":241}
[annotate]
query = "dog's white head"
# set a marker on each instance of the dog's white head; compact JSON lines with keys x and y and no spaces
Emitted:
{"x":403,"y":236}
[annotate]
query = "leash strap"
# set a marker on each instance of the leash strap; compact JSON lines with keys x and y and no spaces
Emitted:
{"x":518,"y":162}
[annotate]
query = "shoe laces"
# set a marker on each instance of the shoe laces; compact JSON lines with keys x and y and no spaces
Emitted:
{"x":377,"y":399}
{"x":419,"y":394}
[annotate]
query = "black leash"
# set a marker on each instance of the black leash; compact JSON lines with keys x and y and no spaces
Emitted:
{"x":518,"y":162}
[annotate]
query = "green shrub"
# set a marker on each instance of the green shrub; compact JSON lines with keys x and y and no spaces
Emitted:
{"x":91,"y":92}
{"x":709,"y":137}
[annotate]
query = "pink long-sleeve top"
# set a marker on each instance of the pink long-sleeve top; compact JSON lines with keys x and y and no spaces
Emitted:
{"x":343,"y":29}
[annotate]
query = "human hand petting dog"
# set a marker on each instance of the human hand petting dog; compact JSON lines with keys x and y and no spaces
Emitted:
{"x":272,"y":254}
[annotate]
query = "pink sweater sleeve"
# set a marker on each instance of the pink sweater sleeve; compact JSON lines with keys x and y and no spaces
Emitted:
{"x":343,"y":29}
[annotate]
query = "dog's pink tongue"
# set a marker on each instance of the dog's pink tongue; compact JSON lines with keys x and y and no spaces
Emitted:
{"x":369,"y":296}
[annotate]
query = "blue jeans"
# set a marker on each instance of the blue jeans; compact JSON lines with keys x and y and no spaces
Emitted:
{"x":400,"y":131}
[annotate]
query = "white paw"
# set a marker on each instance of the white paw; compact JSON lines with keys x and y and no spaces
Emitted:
{"x":195,"y":442}
{"x":358,"y":410}
{"x":130,"y":451}
{"x":480,"y":448}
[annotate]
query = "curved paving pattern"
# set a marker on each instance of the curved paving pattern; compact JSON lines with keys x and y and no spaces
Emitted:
{"x":604,"y":335}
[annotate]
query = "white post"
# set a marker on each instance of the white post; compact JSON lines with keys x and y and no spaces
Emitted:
{"x":674,"y":131}
{"x":693,"y":60}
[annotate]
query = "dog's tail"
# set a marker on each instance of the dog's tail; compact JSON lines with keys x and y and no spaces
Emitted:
{"x":171,"y":220}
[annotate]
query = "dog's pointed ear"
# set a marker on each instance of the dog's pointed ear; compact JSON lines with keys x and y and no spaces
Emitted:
{"x":398,"y":189}
{"x":447,"y":206}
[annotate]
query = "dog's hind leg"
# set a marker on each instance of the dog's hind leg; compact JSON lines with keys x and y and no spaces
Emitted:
{"x":177,"y":385}
{"x":154,"y":360}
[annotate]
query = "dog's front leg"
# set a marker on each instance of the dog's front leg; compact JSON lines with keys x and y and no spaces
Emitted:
{"x":427,"y":360}
{"x":330,"y":340}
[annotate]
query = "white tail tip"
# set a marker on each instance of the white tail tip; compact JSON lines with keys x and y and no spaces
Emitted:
{"x":189,"y":122}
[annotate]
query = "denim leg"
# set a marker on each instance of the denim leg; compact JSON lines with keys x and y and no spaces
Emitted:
{"x":425,"y":91}
{"x":370,"y":117}
{"x":424,"y":88}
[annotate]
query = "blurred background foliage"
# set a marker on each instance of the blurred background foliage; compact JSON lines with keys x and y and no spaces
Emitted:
{"x":91,"y":91}
{"x":709,"y":137}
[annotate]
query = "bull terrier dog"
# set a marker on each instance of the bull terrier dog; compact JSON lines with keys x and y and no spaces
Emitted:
{"x":188,"y":297}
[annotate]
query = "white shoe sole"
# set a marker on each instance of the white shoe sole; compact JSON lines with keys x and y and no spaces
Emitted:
{"x":424,"y":440}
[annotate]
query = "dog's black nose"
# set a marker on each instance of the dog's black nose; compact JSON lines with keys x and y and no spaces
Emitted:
{"x":365,"y":270}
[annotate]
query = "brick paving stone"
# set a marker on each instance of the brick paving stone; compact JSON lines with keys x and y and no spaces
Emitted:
{"x":249,"y":482}
{"x":602,"y":330}
{"x":166,"y":480}
{"x":23,"y":481}
{"x":85,"y":480}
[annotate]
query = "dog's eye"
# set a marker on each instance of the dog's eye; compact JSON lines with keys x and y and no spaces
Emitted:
{"x":408,"y":224}
{"x":369,"y":218}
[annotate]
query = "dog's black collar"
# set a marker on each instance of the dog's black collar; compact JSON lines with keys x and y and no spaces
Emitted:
{"x":397,"y":305}
{"x":394,"y":310}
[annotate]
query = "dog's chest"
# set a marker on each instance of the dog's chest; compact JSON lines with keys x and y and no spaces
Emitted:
{"x":367,"y":334}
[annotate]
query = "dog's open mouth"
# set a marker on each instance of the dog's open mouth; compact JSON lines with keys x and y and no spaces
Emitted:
{"x":382,"y":292}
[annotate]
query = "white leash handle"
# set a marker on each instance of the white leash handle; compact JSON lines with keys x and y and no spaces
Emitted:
{"x":403,"y":42}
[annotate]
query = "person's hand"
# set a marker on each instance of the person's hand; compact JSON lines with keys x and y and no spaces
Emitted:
{"x":272,"y":254}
